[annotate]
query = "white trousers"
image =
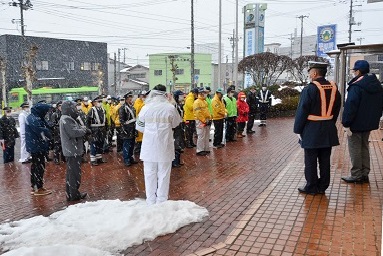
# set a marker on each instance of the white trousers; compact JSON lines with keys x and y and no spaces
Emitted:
{"x":24,"y":155}
{"x":203,"y":137}
{"x":157,"y":179}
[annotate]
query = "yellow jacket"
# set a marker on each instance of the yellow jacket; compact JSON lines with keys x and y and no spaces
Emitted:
{"x":188,"y":107}
{"x":201,"y":110}
{"x":86,"y":109}
{"x":219,"y":109}
{"x":114,"y":115}
{"x":138,"y":104}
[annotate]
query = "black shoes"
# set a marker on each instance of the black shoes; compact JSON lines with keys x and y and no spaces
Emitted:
{"x":350,"y":179}
{"x":304,"y":191}
{"x":250,"y":132}
{"x":93,"y":163}
{"x":82,"y":196}
{"x":202,"y":153}
{"x":101,"y":161}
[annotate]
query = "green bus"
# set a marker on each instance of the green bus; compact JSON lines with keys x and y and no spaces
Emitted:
{"x":18,"y":95}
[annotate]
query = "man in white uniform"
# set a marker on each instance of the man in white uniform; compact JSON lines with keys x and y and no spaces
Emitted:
{"x":156,"y":121}
{"x":24,"y":155}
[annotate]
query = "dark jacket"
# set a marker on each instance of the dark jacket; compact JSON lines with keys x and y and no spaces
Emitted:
{"x":179,"y":131}
{"x":71,"y":132}
{"x":363,"y":107}
{"x":54,"y":120}
{"x":316,"y":134}
{"x":98,"y":132}
{"x":251,"y":100}
{"x":8,"y":131}
{"x":128,"y":130}
{"x":37,"y":132}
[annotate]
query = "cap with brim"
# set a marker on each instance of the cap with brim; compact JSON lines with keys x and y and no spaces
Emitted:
{"x":109,"y":97}
{"x":201,"y":90}
{"x":207,"y":88}
{"x":96,"y":99}
{"x":314,"y":64}
{"x":59,"y":103}
{"x":24,"y":105}
{"x":86,"y":98}
{"x":128,"y":94}
{"x":142,"y":92}
{"x":220,"y":90}
{"x":361,"y":65}
{"x":194,"y":90}
{"x":7,"y":108}
{"x":42,"y":101}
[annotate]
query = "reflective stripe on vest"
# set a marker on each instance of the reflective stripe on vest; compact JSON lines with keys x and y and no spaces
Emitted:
{"x":325,"y":111}
{"x":98,"y":122}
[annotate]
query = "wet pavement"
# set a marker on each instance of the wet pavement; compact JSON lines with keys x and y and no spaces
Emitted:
{"x":250,"y":189}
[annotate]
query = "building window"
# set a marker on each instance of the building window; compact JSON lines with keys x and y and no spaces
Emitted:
{"x":42,"y":65}
{"x":85,"y":66}
{"x":197,"y":71}
{"x":96,"y":66}
{"x":158,"y":72}
{"x":138,"y":75}
{"x":179,"y":72}
{"x":69,"y":65}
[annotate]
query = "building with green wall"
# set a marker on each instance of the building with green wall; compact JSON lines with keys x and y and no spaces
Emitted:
{"x":161,"y":65}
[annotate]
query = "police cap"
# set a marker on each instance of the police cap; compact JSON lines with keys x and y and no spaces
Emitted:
{"x":315,"y":64}
{"x":128,"y":94}
{"x":24,"y":105}
{"x":7,"y":108}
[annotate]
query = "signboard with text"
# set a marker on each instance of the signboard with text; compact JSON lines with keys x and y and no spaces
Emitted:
{"x":326,"y":39}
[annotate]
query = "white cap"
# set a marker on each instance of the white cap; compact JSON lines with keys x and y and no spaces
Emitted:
{"x":89,"y":101}
{"x":86,"y":99}
{"x":109,"y":97}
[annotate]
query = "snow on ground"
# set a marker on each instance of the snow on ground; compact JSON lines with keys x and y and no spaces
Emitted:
{"x":97,"y":228}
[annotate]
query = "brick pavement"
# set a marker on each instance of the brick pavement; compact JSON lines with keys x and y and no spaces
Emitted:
{"x":250,"y":190}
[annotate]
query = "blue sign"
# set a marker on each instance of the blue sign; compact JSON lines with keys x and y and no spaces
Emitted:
{"x":326,"y":39}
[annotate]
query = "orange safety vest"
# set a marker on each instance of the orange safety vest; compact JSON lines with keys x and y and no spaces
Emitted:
{"x":325,"y":111}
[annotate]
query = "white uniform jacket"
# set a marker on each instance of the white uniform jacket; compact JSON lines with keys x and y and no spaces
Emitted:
{"x":156,"y":121}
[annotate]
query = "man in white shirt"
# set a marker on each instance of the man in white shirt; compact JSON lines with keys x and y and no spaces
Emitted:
{"x":24,"y":155}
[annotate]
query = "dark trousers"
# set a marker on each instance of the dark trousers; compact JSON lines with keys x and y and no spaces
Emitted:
{"x":119,"y":141}
{"x":37,"y":169}
{"x":250,"y":123}
{"x":312,"y":158}
{"x":231,"y":128}
{"x":263,"y":109}
{"x":96,"y":150}
{"x":177,"y":159}
{"x":241,"y":127}
{"x":128,"y":148}
{"x":9,"y":154}
{"x":57,"y":151}
{"x":218,"y":132}
{"x":73,"y":177}
{"x":190,"y":129}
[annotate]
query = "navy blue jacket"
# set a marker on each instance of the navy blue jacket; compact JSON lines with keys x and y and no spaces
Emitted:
{"x":37,"y":131}
{"x":363,"y":107}
{"x":316,"y":134}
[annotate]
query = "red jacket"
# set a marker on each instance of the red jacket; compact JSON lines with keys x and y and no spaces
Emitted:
{"x":243,"y":109}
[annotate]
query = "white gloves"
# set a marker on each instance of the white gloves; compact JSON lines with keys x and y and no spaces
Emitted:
{"x":2,"y":141}
{"x":299,"y":137}
{"x":348,"y":131}
{"x":2,"y":144}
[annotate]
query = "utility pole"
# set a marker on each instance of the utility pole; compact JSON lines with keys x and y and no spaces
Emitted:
{"x":192,"y":85}
{"x":360,"y":40}
{"x":124,"y":53}
{"x":350,"y":22}
{"x":236,"y":45}
{"x":24,"y":6}
{"x":115,"y":73}
{"x":301,"y":18}
{"x":291,"y":45}
{"x":233,"y":43}
{"x":220,"y":44}
{"x":4,"y":85}
{"x":118,"y":70}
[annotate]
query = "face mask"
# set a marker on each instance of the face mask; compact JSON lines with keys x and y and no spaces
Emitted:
{"x":26,"y":109}
{"x":78,"y":107}
{"x":109,"y":101}
{"x":264,"y":88}
{"x":8,"y":113}
{"x":181,"y":98}
{"x":98,"y":104}
{"x":230,"y":94}
{"x":242,"y":99}
{"x":54,"y":105}
{"x":86,"y":103}
{"x":122,"y":101}
{"x":104,"y":100}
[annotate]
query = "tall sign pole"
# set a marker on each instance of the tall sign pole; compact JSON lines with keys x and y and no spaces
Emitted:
{"x":220,"y":44}
{"x":192,"y":85}
{"x":236,"y":45}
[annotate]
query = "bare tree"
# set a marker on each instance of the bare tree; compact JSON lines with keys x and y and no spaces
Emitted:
{"x":266,"y":67}
{"x":300,"y":65}
{"x":173,"y":69}
{"x":29,"y":72}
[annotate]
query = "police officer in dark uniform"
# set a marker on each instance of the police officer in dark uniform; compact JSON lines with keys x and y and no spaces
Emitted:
{"x":315,"y":120}
{"x":8,"y":135}
{"x":96,"y":122}
{"x":81,"y":120}
{"x":264,"y":103}
{"x":127,"y":116}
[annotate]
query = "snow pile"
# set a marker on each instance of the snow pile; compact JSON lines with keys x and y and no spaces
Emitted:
{"x":97,"y":228}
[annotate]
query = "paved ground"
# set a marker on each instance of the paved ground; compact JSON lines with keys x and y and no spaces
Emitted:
{"x":250,"y":190}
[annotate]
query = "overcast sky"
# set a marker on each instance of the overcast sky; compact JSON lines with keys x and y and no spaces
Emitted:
{"x":158,"y":26}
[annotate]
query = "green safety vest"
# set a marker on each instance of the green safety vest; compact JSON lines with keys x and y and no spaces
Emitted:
{"x":231,"y":106}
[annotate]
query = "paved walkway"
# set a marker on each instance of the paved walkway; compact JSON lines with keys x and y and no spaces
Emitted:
{"x":250,"y":190}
